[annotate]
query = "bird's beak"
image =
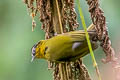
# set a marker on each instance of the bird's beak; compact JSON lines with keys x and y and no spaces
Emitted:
{"x":33,"y":57}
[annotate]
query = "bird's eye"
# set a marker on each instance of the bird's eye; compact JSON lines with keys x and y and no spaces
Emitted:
{"x":33,"y":50}
{"x":45,"y":50}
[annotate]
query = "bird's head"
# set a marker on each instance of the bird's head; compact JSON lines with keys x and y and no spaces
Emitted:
{"x":37,"y":50}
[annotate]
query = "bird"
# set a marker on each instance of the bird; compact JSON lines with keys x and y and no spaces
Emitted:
{"x":65,"y":47}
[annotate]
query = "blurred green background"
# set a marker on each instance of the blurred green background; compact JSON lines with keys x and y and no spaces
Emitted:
{"x":16,"y":40}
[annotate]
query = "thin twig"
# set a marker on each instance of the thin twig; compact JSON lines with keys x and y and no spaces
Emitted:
{"x":59,"y":17}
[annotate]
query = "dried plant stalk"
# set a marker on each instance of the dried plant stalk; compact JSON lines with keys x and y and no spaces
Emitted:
{"x":99,"y":21}
{"x":68,"y":71}
{"x":50,"y":24}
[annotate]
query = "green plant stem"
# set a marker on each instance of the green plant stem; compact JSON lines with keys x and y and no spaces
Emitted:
{"x":88,"y":40}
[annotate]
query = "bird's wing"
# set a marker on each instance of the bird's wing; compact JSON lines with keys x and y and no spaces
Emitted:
{"x":79,"y":36}
{"x":76,"y":35}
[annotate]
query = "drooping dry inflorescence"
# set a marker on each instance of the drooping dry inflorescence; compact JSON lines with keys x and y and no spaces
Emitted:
{"x":43,"y":8}
{"x":46,"y":10}
{"x":99,"y":21}
{"x":50,"y":24}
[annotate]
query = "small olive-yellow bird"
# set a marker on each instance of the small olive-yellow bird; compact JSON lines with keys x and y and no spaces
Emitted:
{"x":65,"y":47}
